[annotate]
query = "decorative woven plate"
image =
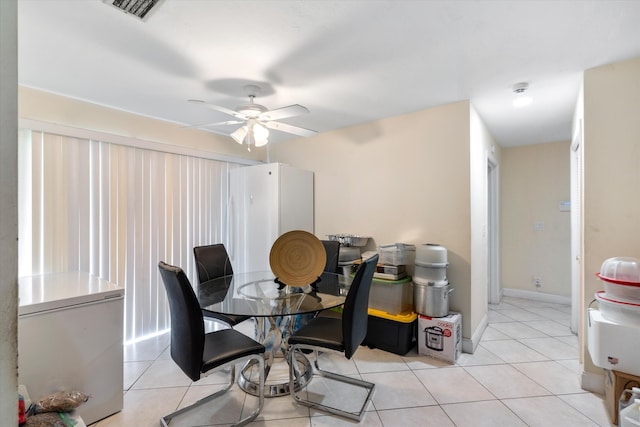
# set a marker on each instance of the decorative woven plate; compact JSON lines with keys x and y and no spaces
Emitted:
{"x":297,"y":258}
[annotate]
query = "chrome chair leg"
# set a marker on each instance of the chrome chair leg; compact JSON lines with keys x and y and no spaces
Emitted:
{"x":166,"y":420}
{"x":293,"y":372}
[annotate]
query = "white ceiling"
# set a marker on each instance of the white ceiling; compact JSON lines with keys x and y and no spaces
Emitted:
{"x":349,"y":62}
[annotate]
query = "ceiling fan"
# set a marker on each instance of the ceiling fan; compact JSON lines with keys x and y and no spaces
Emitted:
{"x":257,"y":119}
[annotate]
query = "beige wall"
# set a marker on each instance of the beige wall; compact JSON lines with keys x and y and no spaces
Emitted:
{"x":401,"y":179}
{"x":611,"y":179}
{"x":8,"y":212}
{"x":49,"y":108}
{"x":534,"y":180}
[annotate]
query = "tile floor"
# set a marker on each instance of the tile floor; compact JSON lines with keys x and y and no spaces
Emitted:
{"x":525,"y":372}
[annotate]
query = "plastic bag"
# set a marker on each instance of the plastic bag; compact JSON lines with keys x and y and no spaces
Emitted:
{"x":47,"y":419}
{"x":61,"y":401}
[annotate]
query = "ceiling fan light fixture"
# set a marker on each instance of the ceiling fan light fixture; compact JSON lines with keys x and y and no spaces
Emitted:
{"x":239,"y":134}
{"x":260,"y":134}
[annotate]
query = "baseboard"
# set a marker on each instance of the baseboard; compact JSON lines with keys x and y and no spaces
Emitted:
{"x":592,"y":382}
{"x":469,"y":345}
{"x":536,"y":296}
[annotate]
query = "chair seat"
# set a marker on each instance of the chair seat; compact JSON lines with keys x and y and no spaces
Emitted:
{"x":230,"y":319}
{"x":320,"y":332}
{"x":226,"y":345}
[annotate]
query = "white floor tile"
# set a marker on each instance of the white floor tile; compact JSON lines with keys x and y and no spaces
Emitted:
{"x":517,"y":330}
{"x":547,"y":411}
{"x":492,"y":334}
{"x":162,"y":373}
{"x":453,"y":385}
{"x":396,"y":390}
{"x":490,"y":413}
{"x":374,"y":360}
{"x":591,"y":405}
{"x":512,"y":351}
{"x":426,"y":416}
{"x":551,"y":375}
{"x":504,"y":381}
{"x":521,"y":315}
{"x":551,"y":347}
{"x":549,"y":327}
{"x":481,"y":356}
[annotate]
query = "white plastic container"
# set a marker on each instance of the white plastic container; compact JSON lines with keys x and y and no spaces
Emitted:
{"x":628,"y":397}
{"x":397,"y":254}
{"x":630,"y":416}
{"x":617,"y":310}
{"x":619,"y":289}
{"x":430,"y":272}
{"x":612,"y":345}
{"x":431,"y":253}
{"x":624,"y":269}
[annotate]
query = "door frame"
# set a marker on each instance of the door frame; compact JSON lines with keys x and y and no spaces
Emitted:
{"x":494,"y":293}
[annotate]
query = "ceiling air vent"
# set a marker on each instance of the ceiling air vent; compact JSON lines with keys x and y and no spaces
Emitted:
{"x":139,"y":8}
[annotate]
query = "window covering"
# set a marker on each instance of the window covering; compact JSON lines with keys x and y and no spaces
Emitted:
{"x":115,"y":211}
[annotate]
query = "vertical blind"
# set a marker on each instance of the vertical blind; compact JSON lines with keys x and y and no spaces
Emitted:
{"x":116,"y":211}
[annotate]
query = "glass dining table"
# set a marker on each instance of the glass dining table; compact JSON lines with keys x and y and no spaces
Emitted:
{"x":276,"y":309}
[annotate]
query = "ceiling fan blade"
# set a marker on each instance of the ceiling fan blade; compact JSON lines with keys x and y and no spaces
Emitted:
{"x":219,"y":108}
{"x":284,"y":112}
{"x":204,"y":125}
{"x":283,"y":127}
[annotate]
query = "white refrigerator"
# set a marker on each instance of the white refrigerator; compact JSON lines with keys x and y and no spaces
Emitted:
{"x":265,"y":202}
{"x":70,"y":332}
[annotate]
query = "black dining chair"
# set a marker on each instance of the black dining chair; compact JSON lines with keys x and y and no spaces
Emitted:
{"x":343,"y":334}
{"x":332,"y":249}
{"x":197,"y":352}
{"x":212,"y":262}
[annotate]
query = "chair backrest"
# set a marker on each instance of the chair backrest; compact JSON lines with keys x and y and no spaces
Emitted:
{"x":355,"y":315}
{"x":332,"y":248}
{"x":187,"y":324}
{"x":212,"y":261}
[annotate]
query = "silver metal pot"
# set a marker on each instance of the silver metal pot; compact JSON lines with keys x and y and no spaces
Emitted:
{"x":431,"y":300}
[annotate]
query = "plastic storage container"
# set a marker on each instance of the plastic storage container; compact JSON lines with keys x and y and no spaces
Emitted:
{"x":434,"y":272}
{"x":615,"y":310}
{"x":397,"y":254}
{"x":628,"y":397}
{"x":391,"y":296}
{"x":431,"y":253}
{"x":630,"y":416}
{"x":624,"y":269}
{"x":395,"y":334}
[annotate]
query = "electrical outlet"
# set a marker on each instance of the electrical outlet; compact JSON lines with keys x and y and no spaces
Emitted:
{"x":537,"y":282}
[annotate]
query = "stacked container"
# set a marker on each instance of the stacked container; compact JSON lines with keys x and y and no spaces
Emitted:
{"x":620,"y":300}
{"x":614,"y":328}
{"x":430,"y":285}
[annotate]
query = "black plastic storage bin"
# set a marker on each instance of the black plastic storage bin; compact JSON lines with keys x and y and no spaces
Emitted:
{"x":392,"y":333}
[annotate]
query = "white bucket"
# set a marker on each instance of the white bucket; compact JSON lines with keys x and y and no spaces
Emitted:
{"x":431,"y":253}
{"x":618,"y":311}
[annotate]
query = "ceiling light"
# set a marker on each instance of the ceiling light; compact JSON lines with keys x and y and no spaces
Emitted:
{"x":521,"y":100}
{"x":253,"y":133}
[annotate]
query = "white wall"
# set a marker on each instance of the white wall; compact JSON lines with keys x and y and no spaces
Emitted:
{"x":611,"y":225}
{"x":402,"y":179}
{"x":8,"y":212}
{"x":535,"y":179}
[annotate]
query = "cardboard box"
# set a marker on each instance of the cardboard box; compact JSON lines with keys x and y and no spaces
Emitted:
{"x":614,"y":384}
{"x":440,"y":337}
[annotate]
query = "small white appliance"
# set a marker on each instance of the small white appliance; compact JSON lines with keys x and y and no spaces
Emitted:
{"x":613,"y":345}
